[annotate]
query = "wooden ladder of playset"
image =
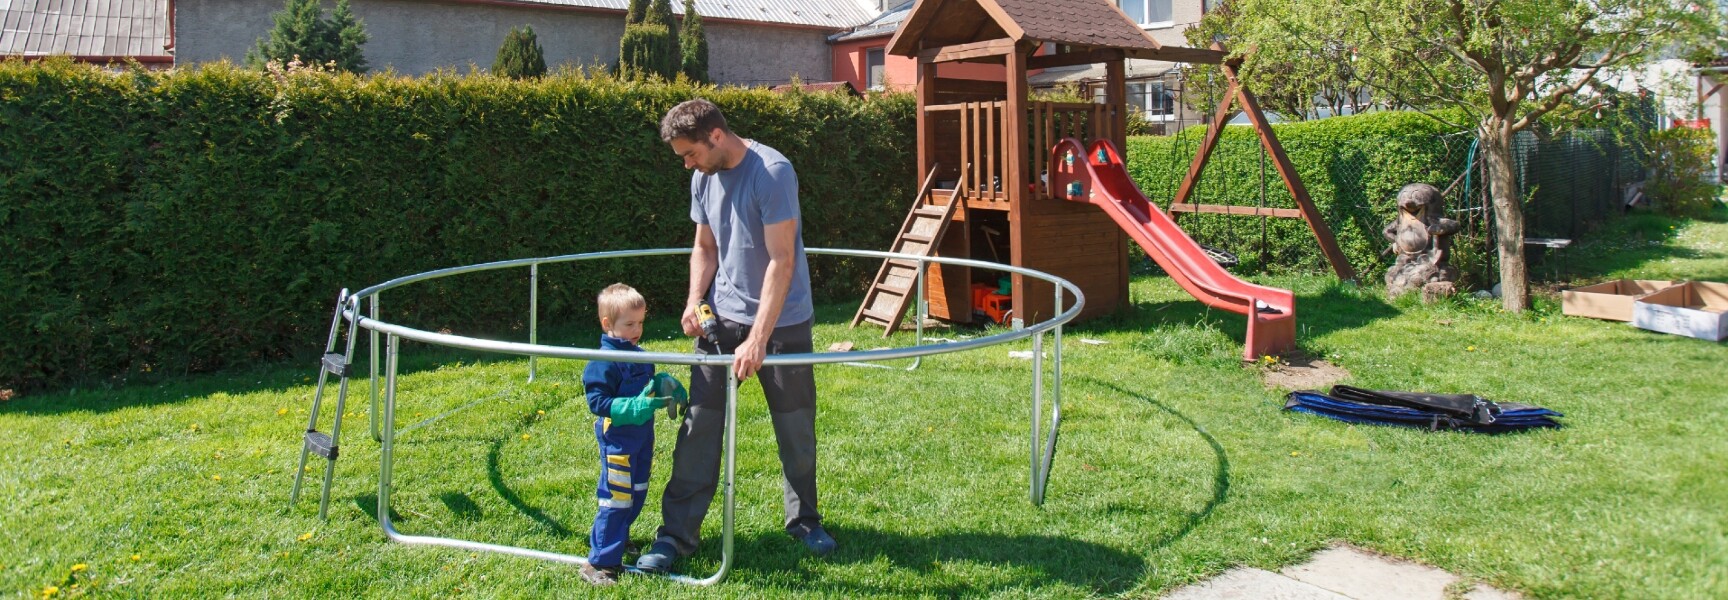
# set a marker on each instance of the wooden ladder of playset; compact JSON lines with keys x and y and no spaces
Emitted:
{"x":896,"y":282}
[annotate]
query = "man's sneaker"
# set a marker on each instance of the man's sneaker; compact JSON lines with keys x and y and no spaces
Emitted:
{"x":599,"y":575}
{"x":817,"y":541}
{"x":658,"y":559}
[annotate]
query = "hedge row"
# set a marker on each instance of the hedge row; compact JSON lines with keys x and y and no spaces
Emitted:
{"x":195,"y":219}
{"x":1351,"y":166}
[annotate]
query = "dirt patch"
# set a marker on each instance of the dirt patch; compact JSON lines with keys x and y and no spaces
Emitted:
{"x":1298,"y":372}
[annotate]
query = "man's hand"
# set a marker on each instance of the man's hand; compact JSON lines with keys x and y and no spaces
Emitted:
{"x":747,"y":358}
{"x":692,"y":323}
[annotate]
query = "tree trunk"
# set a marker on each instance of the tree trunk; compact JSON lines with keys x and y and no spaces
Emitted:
{"x":1496,"y":135}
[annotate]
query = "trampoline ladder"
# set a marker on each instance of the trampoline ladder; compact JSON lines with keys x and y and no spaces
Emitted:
{"x":327,"y":445}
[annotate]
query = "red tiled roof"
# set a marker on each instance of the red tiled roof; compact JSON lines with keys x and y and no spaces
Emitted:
{"x":1076,"y":22}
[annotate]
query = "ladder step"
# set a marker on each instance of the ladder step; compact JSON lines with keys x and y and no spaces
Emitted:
{"x":891,"y":290}
{"x":878,"y":317}
{"x":935,"y":212}
{"x":915,"y":237}
{"x":319,"y":443}
{"x":336,"y":364}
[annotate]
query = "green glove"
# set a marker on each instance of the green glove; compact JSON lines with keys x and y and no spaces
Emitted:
{"x":638,"y":409}
{"x":667,"y":387}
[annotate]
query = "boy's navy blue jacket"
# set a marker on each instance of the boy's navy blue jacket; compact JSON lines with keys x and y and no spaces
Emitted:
{"x":606,"y":380}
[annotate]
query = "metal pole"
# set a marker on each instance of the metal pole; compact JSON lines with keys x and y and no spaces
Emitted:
{"x":387,"y":451}
{"x":1055,"y":409}
{"x":373,"y":365}
{"x":533,"y":314}
{"x":1037,"y":406}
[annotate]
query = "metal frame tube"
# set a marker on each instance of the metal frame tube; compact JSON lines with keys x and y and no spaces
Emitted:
{"x":372,"y":365}
{"x":396,"y":333}
{"x":533,"y":314}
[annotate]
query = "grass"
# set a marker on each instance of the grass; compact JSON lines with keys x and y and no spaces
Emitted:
{"x":1175,"y":464}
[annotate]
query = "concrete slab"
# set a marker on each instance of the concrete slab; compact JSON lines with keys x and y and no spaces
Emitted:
{"x":1365,"y":576}
{"x":1485,"y":592}
{"x":1246,"y":583}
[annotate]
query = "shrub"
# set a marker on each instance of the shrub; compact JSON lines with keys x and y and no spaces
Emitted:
{"x":1682,"y":159}
{"x":301,"y":33}
{"x":693,"y":44}
{"x":520,"y":57}
{"x":1351,"y":166}
{"x":202,"y":218}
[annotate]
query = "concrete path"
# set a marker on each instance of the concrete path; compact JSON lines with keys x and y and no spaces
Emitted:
{"x":1340,"y":573}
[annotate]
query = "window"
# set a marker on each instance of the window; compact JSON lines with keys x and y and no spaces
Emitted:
{"x":1147,"y":12}
{"x":873,"y":68}
{"x":1151,"y":97}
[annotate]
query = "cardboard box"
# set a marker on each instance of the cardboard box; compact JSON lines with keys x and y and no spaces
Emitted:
{"x":1693,"y":309}
{"x":1610,"y":300}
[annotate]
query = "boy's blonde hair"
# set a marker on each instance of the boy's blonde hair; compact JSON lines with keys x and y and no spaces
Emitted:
{"x":616,"y":299}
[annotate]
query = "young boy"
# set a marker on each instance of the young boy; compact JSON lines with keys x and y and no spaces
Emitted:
{"x":622,"y":395}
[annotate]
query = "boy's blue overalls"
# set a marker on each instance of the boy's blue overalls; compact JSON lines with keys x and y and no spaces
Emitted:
{"x":626,"y":452}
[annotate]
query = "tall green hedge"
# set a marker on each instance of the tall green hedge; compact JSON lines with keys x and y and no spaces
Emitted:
{"x":1352,"y":167}
{"x":183,"y":221}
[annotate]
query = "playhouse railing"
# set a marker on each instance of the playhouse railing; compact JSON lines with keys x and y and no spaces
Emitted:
{"x":981,"y":144}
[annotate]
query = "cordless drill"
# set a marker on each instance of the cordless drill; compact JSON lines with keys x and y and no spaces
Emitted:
{"x":710,"y":324}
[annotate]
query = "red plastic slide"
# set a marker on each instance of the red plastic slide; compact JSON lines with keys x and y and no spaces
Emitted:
{"x":1096,"y":175}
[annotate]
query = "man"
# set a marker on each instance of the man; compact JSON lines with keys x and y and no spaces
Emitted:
{"x":749,"y":255}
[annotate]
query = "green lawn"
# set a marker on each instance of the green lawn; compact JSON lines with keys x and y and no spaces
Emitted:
{"x":1175,"y":464}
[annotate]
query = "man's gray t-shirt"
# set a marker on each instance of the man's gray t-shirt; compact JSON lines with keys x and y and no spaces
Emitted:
{"x":737,"y":203}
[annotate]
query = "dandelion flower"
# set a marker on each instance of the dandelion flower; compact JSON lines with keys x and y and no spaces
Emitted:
{"x":216,"y":478}
{"x":1295,"y":453}
{"x":50,"y":591}
{"x":280,"y":412}
{"x":526,"y":436}
{"x":305,"y":536}
{"x":540,"y":412}
{"x":137,"y":557}
{"x":1470,"y":349}
{"x":80,"y":567}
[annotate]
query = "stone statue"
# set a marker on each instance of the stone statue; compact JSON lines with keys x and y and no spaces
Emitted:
{"x":1421,"y":235}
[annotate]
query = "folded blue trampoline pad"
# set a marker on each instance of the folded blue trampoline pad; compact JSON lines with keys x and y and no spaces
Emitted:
{"x":1427,"y":411}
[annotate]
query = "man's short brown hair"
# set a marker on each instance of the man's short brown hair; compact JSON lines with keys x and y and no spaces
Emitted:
{"x":692,"y":120}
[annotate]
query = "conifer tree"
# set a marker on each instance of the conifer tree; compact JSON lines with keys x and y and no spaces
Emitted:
{"x":637,"y":11}
{"x":693,"y":45}
{"x":349,"y":34}
{"x":661,"y":12}
{"x":649,"y":48}
{"x":302,"y":31}
{"x":521,"y":56}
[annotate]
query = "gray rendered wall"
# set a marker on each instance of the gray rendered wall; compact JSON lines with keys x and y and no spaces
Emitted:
{"x":417,"y":37}
{"x":748,"y":55}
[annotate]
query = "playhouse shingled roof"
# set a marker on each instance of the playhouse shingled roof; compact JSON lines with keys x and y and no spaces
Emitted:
{"x":1077,"y":22}
{"x":1091,"y":23}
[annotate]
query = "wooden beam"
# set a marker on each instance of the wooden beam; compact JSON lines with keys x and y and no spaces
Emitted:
{"x":1225,"y":209}
{"x":1069,"y":59}
{"x":971,"y":86}
{"x":966,"y":51}
{"x":1180,"y":54}
{"x":1287,"y":171}
{"x":1116,"y":95}
{"x":928,"y":83}
{"x":1014,"y":160}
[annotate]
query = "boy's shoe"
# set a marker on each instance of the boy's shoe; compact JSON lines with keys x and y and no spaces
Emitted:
{"x":600,"y":575}
{"x":658,"y":559}
{"x":817,"y":541}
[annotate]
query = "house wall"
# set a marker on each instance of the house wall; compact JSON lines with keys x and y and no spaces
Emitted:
{"x":416,"y":37}
{"x":901,"y":72}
